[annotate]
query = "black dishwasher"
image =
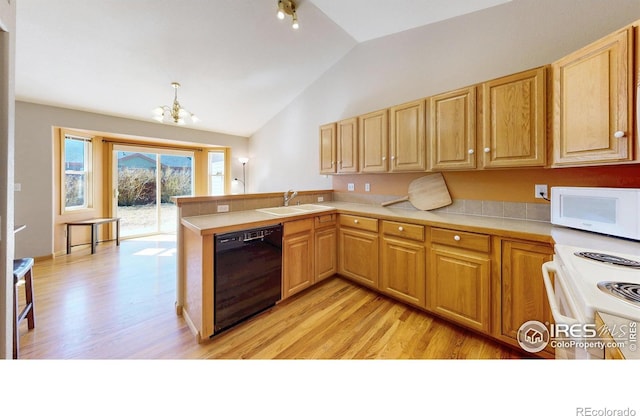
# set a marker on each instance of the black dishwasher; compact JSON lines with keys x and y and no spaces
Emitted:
{"x":247,"y":274}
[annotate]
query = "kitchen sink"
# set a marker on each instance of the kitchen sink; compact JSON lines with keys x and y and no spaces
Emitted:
{"x":311,"y":207}
{"x":294,"y":210}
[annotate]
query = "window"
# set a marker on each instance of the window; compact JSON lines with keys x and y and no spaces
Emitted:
{"x":216,"y":172}
{"x":76,"y":178}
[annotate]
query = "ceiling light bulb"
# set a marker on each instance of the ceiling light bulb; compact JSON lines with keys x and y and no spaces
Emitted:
{"x":295,"y":24}
{"x":280,"y":14}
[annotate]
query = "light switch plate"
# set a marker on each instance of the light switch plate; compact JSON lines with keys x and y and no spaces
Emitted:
{"x":367,"y":187}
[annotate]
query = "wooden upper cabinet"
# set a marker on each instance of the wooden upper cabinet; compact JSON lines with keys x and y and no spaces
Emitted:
{"x":373,"y":130}
{"x":407,"y":137}
{"x":328,"y":148}
{"x":451,"y":135}
{"x":592,"y":103}
{"x":348,"y":145}
{"x":514,"y":127}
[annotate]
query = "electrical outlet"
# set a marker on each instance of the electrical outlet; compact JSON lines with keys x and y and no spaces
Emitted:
{"x":223,"y":208}
{"x":351,"y":187}
{"x":320,"y":199}
{"x":541,"y":191}
{"x":367,"y":187}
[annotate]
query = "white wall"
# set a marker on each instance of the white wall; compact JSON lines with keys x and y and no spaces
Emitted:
{"x":424,"y":61}
{"x":34,"y":161}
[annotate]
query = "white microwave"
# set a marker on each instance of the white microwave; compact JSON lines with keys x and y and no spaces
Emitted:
{"x":611,"y":211}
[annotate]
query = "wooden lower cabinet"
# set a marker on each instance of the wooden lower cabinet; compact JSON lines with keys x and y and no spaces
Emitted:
{"x":358,"y":255}
{"x":326,"y":242}
{"x":451,"y":275}
{"x":459,"y":286}
{"x":522,"y":295}
{"x":611,"y":352}
{"x":403,"y":264}
{"x":298,"y":255}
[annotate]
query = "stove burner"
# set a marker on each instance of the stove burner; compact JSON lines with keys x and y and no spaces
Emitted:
{"x":629,"y":292}
{"x":608,"y":258}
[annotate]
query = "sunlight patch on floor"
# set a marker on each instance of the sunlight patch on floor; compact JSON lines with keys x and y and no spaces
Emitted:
{"x":161,"y":252}
{"x":156,"y":237}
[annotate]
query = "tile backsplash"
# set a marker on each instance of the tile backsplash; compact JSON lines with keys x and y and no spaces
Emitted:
{"x":500,"y":209}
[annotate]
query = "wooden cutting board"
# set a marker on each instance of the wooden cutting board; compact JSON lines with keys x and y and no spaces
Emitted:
{"x":425,"y":193}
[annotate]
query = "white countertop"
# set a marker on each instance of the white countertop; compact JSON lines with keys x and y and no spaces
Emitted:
{"x":536,"y":230}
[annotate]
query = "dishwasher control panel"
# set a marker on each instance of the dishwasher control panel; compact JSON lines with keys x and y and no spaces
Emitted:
{"x":256,"y":234}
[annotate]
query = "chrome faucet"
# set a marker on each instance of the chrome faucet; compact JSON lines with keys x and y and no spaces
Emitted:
{"x":288,"y":198}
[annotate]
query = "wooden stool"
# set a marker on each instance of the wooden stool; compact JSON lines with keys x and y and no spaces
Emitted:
{"x":22,"y":276}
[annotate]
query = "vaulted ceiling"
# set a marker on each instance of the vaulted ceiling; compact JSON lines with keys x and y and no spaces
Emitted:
{"x":237,"y":63}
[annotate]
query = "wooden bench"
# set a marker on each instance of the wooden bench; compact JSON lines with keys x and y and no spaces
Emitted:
{"x":93,"y":223}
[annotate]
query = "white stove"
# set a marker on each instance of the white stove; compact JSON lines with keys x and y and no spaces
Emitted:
{"x":588,"y":281}
{"x":582,"y":275}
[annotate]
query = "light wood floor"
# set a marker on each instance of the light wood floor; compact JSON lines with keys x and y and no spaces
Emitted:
{"x":119,"y":303}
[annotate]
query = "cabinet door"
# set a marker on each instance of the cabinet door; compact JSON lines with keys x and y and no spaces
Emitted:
{"x":514,"y":130}
{"x":297,"y":268}
{"x":523,"y":296}
{"x":373,"y":130}
{"x":459,"y":286}
{"x":403,"y":270}
{"x":358,"y":256}
{"x":326,"y":260}
{"x":348,"y":146}
{"x":328,"y":148}
{"x":592,"y":104}
{"x":407,"y":137}
{"x":451,"y":135}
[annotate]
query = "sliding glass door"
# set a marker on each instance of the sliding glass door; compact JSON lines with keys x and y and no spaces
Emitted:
{"x":145,"y":180}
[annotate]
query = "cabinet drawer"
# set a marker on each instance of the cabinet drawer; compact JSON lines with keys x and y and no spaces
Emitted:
{"x":360,"y":223}
{"x":404,"y":230}
{"x":326,"y":220}
{"x":299,"y":226}
{"x":462,"y":239}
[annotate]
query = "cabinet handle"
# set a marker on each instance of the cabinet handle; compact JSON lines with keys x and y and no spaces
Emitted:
{"x":487,"y":149}
{"x":355,"y":221}
{"x":393,"y":157}
{"x":384,"y":158}
{"x":471,"y":151}
{"x":400,"y":229}
{"x":619,"y":134}
{"x":456,"y":237}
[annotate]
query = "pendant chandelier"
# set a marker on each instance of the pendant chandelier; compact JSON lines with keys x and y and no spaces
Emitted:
{"x":288,"y":7}
{"x":175,"y":113}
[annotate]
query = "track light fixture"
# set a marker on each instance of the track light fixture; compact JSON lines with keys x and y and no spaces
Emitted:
{"x":288,"y":7}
